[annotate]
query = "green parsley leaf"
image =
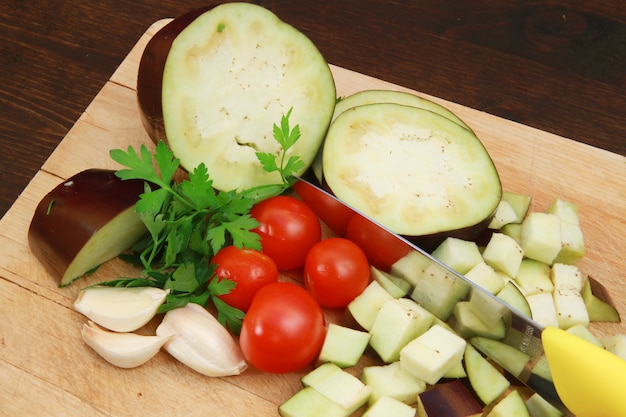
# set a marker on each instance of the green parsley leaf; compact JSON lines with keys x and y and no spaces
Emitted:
{"x":173,"y":301}
{"x":198,"y":244}
{"x":183,"y":279}
{"x":241,"y":234}
{"x":199,"y":189}
{"x":268,"y":160}
{"x":189,"y":221}
{"x":140,"y":166}
{"x":221,"y":286}
{"x":129,"y":282}
{"x":166,"y":162}
{"x":228,"y":315}
{"x":293,"y":165}
{"x":285,"y":136}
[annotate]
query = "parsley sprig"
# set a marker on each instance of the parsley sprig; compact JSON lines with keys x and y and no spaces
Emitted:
{"x":189,"y":221}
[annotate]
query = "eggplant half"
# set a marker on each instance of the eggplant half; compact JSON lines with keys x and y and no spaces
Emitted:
{"x":85,"y":221}
{"x":213,"y":83}
{"x":416,"y":172}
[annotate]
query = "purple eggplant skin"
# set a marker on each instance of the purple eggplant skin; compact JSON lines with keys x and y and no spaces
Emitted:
{"x":69,"y":215}
{"x":475,"y":232}
{"x":150,"y":73}
{"x":451,"y":399}
{"x":430,"y":242}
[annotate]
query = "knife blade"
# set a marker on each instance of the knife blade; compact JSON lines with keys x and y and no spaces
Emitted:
{"x":522,"y":333}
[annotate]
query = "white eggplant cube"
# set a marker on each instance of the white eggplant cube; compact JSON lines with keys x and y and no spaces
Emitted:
{"x":572,"y":243}
{"x":397,"y":323}
{"x":543,"y":309}
{"x":343,"y":346}
{"x":410,"y":267}
{"x":504,"y":254}
{"x":519,"y":202}
{"x":460,"y":255}
{"x":534,"y":277}
{"x":570,"y":308}
{"x":505,"y":214}
{"x":366,"y":305}
{"x":308,"y":402}
{"x":392,"y":381}
{"x":486,"y":277}
{"x":432,"y":354}
{"x":387,"y":406}
{"x":565,"y":210}
{"x":541,"y":236}
{"x":339,"y":386}
{"x":566,"y":277}
{"x":439,"y":291}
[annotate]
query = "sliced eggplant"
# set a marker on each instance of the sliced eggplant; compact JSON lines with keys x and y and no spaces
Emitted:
{"x":392,"y":96}
{"x":150,"y":73}
{"x":213,"y":83}
{"x":85,"y":221}
{"x":366,"y":97}
{"x":414,"y":171}
{"x":451,"y":399}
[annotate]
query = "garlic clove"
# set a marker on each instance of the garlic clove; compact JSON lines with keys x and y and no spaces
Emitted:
{"x":120,"y":309}
{"x":201,"y":342}
{"x":125,"y":350}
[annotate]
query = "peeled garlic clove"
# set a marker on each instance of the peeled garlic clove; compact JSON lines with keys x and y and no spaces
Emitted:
{"x":118,"y":308}
{"x":201,"y":342}
{"x":125,"y":350}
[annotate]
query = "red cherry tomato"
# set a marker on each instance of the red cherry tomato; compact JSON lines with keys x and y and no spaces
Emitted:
{"x":336,"y":271}
{"x":283,"y":330}
{"x":249,"y":269}
{"x":381,"y":248}
{"x":331,"y":211}
{"x":288,"y":229}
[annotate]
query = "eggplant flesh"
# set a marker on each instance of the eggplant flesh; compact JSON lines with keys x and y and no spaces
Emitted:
{"x":212,"y":84}
{"x":150,"y":73}
{"x":365,"y":97}
{"x":414,"y":171}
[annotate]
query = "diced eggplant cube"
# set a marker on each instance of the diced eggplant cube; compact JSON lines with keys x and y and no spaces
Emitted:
{"x":343,"y":346}
{"x":460,"y":255}
{"x":397,"y":323}
{"x":366,"y":305}
{"x":541,"y":236}
{"x":387,"y":406}
{"x":392,"y":381}
{"x":504,"y":254}
{"x":309,"y":403}
{"x":432,"y":354}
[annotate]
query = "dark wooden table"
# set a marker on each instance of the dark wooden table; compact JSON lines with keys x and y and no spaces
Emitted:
{"x":556,"y":66}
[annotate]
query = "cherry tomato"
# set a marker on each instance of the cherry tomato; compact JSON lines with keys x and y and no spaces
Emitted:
{"x":249,"y":269}
{"x":288,"y":229}
{"x":336,"y":271}
{"x":283,"y":330}
{"x":381,"y":248}
{"x":330,"y":210}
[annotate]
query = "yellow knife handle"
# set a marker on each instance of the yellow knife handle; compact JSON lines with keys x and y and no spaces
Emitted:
{"x":590,"y":380}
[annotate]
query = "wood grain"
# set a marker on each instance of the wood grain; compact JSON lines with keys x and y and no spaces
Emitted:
{"x":556,"y":66}
{"x":46,"y":369}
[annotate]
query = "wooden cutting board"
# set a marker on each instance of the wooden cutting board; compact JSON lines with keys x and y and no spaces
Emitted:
{"x":46,"y":369}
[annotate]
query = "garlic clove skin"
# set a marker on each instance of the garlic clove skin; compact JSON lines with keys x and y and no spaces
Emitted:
{"x":118,"y":308}
{"x":201,"y":342}
{"x":124,"y":350}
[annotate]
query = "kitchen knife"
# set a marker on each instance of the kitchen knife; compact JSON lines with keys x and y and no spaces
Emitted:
{"x":581,"y":379}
